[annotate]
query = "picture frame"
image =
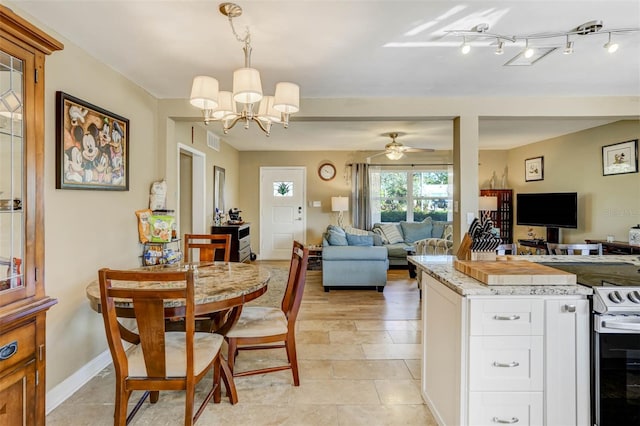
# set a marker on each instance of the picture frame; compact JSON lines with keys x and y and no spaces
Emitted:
{"x":218,"y":189}
{"x":92,"y":146}
{"x":620,"y":158}
{"x":534,"y":169}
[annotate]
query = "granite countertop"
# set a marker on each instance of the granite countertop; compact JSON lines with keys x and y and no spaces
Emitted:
{"x":441,"y":268}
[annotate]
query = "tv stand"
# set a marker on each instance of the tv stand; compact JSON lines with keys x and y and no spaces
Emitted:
{"x":539,"y":245}
{"x":553,"y":235}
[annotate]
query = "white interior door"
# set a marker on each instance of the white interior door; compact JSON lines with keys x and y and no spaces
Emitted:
{"x":282,"y":203}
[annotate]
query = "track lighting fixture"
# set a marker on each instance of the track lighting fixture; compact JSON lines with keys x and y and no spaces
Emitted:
{"x":568,"y":48}
{"x":465,"y":48}
{"x":611,"y":46}
{"x":528,"y":51}
{"x":530,"y":55}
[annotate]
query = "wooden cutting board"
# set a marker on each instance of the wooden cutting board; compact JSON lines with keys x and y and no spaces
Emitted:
{"x":513,"y":272}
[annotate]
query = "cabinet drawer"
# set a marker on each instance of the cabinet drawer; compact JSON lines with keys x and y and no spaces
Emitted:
{"x":17,"y":345}
{"x":243,"y":243}
{"x":502,"y":408}
{"x":244,"y":255}
{"x":521,"y":317}
{"x":505,"y":363}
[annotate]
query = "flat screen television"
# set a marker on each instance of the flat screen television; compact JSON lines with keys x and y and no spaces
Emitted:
{"x":552,"y":209}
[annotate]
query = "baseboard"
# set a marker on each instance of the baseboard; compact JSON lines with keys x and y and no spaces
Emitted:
{"x":71,"y":384}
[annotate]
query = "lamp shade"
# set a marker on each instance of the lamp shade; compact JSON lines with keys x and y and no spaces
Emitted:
{"x":204,"y":92}
{"x":287,"y":98}
{"x":339,"y":204}
{"x":488,"y":203}
{"x":247,"y":87}
{"x":266,"y":110}
{"x":226,"y":106}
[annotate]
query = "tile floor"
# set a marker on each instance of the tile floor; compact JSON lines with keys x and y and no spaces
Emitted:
{"x":359,"y":358}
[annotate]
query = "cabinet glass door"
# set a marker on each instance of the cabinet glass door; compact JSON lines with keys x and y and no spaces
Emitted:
{"x":11,"y":172}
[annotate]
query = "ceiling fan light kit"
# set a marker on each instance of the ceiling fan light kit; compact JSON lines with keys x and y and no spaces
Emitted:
{"x":530,"y":54}
{"x":221,"y":106}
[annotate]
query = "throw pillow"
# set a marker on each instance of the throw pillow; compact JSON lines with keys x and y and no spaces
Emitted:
{"x":383,"y":238}
{"x":414,"y":231}
{"x":448,"y":233}
{"x":336,"y":239}
{"x":377,"y":238}
{"x":438,"y":229}
{"x":338,"y":229}
{"x":392,"y":233}
{"x":360,"y":240}
{"x":355,"y":231}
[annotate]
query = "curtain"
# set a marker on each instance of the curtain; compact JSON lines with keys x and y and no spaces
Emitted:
{"x":361,"y":204}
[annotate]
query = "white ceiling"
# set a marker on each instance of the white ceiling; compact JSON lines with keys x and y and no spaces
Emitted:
{"x":349,"y":49}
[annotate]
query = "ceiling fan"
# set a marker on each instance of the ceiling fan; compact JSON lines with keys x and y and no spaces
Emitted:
{"x":395,"y":150}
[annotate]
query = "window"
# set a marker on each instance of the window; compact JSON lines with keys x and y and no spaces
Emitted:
{"x":411,"y":195}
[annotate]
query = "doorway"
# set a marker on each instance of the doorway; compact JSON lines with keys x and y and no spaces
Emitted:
{"x":191,"y":190}
{"x":282,"y":203}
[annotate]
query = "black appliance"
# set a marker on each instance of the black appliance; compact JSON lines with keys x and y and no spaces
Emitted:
{"x":615,"y":339}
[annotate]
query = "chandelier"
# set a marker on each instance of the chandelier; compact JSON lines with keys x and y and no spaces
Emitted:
{"x":217,"y":105}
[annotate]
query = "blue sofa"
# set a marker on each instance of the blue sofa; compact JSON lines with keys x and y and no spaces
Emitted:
{"x":359,"y":264}
{"x":426,"y":237}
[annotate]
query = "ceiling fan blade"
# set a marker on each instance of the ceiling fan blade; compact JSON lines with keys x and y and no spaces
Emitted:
{"x":410,"y":149}
{"x":376,"y":155}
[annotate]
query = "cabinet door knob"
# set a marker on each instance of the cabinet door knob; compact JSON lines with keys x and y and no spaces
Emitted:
{"x":569,"y":308}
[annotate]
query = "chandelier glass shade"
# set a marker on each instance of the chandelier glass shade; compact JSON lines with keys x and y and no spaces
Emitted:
{"x":217,"y":105}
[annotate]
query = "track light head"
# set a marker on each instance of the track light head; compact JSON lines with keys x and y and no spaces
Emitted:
{"x":465,"y":48}
{"x":568,"y":48}
{"x":500,"y":48}
{"x":611,"y":46}
{"x":528,"y":51}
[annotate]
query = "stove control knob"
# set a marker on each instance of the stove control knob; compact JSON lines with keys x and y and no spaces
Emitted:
{"x":615,"y":297}
{"x":634,"y":296}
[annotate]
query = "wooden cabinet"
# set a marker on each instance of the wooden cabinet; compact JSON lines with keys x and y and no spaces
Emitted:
{"x":23,"y":303}
{"x":616,"y":247}
{"x":240,"y":241}
{"x":505,"y":359}
{"x":503,"y":217}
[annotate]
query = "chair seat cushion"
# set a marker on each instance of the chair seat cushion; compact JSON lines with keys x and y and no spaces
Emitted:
{"x":256,"y":321}
{"x":205,"y":348}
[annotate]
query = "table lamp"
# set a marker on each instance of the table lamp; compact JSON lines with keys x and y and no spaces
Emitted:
{"x":486,"y":205}
{"x":339,"y":204}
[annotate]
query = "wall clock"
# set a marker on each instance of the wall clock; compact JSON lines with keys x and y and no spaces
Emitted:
{"x":327,"y":171}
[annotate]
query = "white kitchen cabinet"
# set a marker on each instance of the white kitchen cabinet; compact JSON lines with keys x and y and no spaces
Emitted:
{"x":519,"y":359}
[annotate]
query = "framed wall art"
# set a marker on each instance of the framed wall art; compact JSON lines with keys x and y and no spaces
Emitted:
{"x":620,"y":158}
{"x":534,"y":169}
{"x":92,"y":146}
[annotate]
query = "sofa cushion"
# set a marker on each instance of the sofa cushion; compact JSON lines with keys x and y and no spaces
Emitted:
{"x":448,"y":233}
{"x":355,"y":231}
{"x":377,"y":238}
{"x":414,"y":231}
{"x":359,"y":240}
{"x":337,"y":229}
{"x":336,"y":239}
{"x":397,"y":250}
{"x":392,"y":232}
{"x":335,"y":253}
{"x":377,"y":230}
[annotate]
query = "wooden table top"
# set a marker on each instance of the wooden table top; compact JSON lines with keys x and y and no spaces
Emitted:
{"x":218,"y":285}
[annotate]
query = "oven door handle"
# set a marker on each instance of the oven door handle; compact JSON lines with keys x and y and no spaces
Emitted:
{"x":621,"y":325}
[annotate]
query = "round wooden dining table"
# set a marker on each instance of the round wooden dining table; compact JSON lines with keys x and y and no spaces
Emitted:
{"x":220,"y":288}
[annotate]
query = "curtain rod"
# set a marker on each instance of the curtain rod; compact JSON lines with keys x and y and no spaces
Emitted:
{"x":404,"y":165}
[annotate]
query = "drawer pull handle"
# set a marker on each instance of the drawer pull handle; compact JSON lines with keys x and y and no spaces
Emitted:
{"x":507,"y":365}
{"x":7,"y":351}
{"x":506,"y":318}
{"x":510,"y":421}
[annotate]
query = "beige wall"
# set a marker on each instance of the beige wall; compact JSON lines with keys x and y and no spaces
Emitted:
{"x":493,"y":161}
{"x":607,"y":205}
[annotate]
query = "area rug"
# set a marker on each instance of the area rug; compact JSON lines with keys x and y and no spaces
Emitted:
{"x":275,"y":288}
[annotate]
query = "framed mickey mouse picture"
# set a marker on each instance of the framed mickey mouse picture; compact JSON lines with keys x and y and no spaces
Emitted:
{"x":92,"y":146}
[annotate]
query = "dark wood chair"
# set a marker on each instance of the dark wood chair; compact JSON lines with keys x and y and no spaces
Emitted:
{"x":159,"y":360}
{"x":571,"y":249}
{"x":260,"y":327}
{"x":207,"y":244}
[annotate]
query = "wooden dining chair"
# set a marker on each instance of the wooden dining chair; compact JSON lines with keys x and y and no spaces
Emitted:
{"x":260,"y":327}
{"x":159,"y":360}
{"x":570,"y":249}
{"x":208,"y":246}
